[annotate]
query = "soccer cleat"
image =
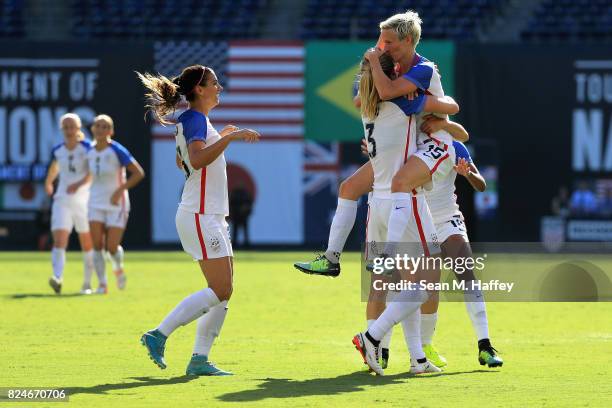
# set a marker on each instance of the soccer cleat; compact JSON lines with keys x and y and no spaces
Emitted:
{"x":422,"y":368}
{"x":369,"y":352}
{"x":432,"y":355}
{"x":199,"y":365}
{"x":320,"y":266}
{"x":488,"y":355}
{"x":56,"y":285}
{"x":381,"y":269}
{"x":121,"y":279}
{"x":102,"y":289}
{"x":86,"y":290}
{"x":155,"y":342}
{"x":384,"y":358}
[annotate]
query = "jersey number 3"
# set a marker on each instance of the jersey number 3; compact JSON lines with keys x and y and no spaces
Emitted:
{"x":371,"y":142}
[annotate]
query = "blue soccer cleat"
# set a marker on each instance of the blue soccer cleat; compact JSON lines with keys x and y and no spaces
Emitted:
{"x":199,"y":365}
{"x":155,"y":342}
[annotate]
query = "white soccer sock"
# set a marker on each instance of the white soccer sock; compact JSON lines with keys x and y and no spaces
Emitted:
{"x":209,"y":327}
{"x":190,"y":308}
{"x":405,"y":303}
{"x":399,"y":219}
{"x":58,"y":260}
{"x":428,"y":327}
{"x":100,"y":266}
{"x":476,"y":308}
{"x":385,"y":342}
{"x":341,"y":227}
{"x":411,"y":326}
{"x":88,"y":267}
{"x":117,"y":259}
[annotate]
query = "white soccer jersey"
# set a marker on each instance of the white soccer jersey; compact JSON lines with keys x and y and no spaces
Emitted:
{"x":107,"y":168}
{"x":72,"y":168}
{"x":441,"y":199}
{"x":391,"y":140}
{"x":425,"y":76}
{"x":205,"y":190}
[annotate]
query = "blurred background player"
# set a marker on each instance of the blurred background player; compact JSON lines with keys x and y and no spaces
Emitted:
{"x":109,"y":202}
{"x":200,"y":218}
{"x":69,"y":208}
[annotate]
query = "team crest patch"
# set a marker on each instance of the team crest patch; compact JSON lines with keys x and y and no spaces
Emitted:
{"x":215,"y":244}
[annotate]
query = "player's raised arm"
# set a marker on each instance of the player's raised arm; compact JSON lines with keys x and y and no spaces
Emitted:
{"x":466,"y":167}
{"x":387,"y":88}
{"x":201,"y":156}
{"x":433,"y":123}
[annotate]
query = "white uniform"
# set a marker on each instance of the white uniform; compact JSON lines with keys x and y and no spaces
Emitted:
{"x":435,"y":150}
{"x":200,"y":219}
{"x":391,"y":140}
{"x":107,"y":168}
{"x":70,"y":210}
{"x":443,"y":201}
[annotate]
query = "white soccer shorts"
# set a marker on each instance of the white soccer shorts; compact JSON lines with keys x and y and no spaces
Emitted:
{"x":452,"y":226}
{"x":438,"y":156}
{"x":69,"y":213}
{"x":421,"y":237}
{"x":204,"y":236}
{"x":111,"y":218}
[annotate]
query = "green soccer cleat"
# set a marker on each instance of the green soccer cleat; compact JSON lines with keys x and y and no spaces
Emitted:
{"x":488,"y":355}
{"x":320,"y":266}
{"x":199,"y":365}
{"x":155,"y":342}
{"x":432,"y":355}
{"x":384,"y":358}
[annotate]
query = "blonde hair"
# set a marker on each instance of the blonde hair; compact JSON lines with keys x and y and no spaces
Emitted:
{"x":77,"y":120}
{"x":105,"y":118}
{"x":406,"y":24}
{"x":367,"y":91}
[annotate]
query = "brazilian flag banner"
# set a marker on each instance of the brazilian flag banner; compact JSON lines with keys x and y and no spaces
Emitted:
{"x":331,"y":67}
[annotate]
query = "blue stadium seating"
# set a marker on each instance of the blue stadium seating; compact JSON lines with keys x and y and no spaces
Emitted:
{"x":159,"y":19}
{"x":11,"y":19}
{"x":571,"y":20}
{"x":358,"y":19}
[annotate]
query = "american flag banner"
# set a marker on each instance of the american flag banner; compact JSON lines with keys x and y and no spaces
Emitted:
{"x":263,"y":90}
{"x":263,"y":81}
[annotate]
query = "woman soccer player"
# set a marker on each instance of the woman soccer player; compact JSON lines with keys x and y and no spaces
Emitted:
{"x":200,"y":218}
{"x":69,"y":162}
{"x":109,"y":202}
{"x":390,"y":128}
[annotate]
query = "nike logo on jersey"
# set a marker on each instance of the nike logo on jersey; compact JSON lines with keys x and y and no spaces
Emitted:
{"x":399,"y":208}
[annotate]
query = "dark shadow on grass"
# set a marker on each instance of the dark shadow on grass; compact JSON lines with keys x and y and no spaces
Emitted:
{"x":43,"y":295}
{"x":140,"y":382}
{"x":353,"y":382}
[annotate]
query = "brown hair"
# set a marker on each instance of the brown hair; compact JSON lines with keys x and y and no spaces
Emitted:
{"x":165,"y":94}
{"x":367,"y":91}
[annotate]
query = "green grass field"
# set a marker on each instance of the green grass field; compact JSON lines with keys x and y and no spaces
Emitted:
{"x":287,"y":338}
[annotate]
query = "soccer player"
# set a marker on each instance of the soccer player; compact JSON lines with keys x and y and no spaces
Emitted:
{"x":200,"y":218}
{"x":399,"y":36}
{"x":109,"y":202}
{"x":69,"y":162}
{"x":391,"y":134}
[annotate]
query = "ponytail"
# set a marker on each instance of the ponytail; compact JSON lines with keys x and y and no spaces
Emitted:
{"x":165,"y":94}
{"x":368,"y":93}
